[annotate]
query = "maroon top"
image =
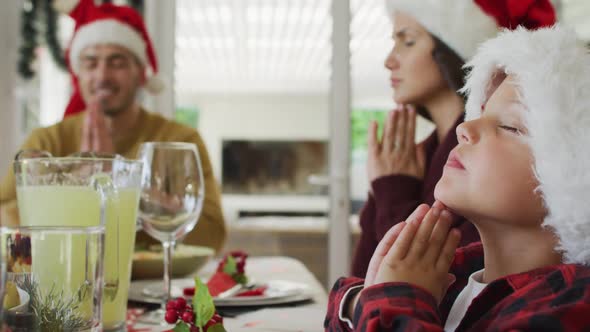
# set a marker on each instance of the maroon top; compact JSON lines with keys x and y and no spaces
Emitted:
{"x":395,"y":197}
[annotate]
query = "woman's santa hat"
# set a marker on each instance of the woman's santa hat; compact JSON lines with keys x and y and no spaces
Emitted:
{"x":552,"y":70}
{"x":464,"y":24}
{"x":107,"y":24}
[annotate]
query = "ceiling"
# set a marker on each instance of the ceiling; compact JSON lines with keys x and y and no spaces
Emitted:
{"x":276,"y":46}
{"x":283,"y":46}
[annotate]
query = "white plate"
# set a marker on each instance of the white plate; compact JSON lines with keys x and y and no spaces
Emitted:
{"x":278,"y":292}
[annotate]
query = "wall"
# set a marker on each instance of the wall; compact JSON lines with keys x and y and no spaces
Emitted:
{"x":9,"y":120}
{"x":54,"y":90}
{"x":258,"y":117}
{"x":270,"y":117}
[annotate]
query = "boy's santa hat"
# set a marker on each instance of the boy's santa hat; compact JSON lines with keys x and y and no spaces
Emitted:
{"x":107,"y":24}
{"x":464,"y":24}
{"x":552,"y":69}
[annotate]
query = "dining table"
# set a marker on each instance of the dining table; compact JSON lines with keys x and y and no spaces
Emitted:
{"x":304,"y":315}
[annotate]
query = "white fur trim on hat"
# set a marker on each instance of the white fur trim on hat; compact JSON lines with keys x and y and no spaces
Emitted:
{"x":154,"y":84}
{"x":460,"y":24}
{"x":107,"y":31}
{"x":552,"y":69}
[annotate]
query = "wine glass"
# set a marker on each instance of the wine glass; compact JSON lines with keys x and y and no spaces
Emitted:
{"x":171,"y":201}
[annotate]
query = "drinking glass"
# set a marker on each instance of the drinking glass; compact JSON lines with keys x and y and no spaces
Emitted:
{"x":86,"y":191}
{"x":171,"y":201}
{"x":48,"y":286}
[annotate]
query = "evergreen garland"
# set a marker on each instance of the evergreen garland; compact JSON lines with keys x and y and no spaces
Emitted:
{"x":29,"y":44}
{"x":29,"y":33}
{"x":51,"y":35}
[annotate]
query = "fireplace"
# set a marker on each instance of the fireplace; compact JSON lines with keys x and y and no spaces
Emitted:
{"x":271,"y":178}
{"x":273,"y":168}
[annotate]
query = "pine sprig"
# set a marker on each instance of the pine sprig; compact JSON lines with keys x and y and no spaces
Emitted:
{"x":55,"y":311}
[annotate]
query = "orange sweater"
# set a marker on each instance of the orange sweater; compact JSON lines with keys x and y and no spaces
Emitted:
{"x":64,"y":138}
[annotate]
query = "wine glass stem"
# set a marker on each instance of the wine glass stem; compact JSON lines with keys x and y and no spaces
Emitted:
{"x":168,"y":246}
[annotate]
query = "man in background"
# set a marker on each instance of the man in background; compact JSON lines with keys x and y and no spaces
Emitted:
{"x":111,"y":59}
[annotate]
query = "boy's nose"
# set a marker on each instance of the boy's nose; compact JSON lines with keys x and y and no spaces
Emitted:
{"x":466,"y":133}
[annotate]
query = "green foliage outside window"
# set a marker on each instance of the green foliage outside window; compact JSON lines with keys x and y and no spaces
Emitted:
{"x":360,"y":121}
{"x":188,"y":116}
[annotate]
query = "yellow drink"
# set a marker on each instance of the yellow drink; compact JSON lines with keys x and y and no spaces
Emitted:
{"x":80,"y":206}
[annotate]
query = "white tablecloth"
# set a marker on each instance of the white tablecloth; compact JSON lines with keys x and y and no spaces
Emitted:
{"x":298,"y":318}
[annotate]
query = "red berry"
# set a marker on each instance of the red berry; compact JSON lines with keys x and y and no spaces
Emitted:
{"x":195,"y":329}
{"x":188,"y":316}
{"x":189,"y":291}
{"x":209,"y":324}
{"x":170,"y":305}
{"x":180,"y":303}
{"x":171,"y":316}
{"x":216,"y":319}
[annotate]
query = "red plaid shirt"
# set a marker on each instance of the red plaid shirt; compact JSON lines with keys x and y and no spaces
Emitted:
{"x":555,"y":298}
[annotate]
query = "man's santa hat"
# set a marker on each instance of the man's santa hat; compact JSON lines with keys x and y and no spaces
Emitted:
{"x":464,"y":24}
{"x":552,"y":70}
{"x":107,"y":24}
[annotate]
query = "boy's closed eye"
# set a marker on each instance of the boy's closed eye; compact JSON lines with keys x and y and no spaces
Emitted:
{"x":508,"y":114}
{"x":511,"y":129}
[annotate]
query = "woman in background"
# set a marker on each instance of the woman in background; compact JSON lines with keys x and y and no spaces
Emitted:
{"x":432,"y":41}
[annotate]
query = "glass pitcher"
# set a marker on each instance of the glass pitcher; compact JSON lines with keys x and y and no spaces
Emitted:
{"x":45,"y":287}
{"x":81,"y":191}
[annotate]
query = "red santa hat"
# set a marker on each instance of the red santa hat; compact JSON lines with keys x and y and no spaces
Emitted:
{"x":107,"y":24}
{"x":552,"y":71}
{"x":464,"y":24}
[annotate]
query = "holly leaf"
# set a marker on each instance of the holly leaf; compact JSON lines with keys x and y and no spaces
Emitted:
{"x":230,"y":266}
{"x":241,"y":279}
{"x":203,"y":306}
{"x":181,"y":327}
{"x":216,"y":328}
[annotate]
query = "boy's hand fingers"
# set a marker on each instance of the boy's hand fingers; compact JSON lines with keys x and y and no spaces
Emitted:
{"x":438,"y":237}
{"x":382,"y":249}
{"x":400,"y":248}
{"x":421,"y":241}
{"x":447,"y":253}
{"x":419,"y":213}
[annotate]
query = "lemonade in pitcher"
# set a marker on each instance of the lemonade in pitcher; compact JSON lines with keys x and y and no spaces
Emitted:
{"x":79,"y":204}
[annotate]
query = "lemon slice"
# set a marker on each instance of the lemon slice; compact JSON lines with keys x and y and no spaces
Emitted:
{"x":11,"y":299}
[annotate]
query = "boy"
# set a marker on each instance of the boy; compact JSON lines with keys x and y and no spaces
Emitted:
{"x":520,"y":175}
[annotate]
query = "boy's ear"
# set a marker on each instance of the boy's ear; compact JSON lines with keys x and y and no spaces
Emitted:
{"x":497,"y":78}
